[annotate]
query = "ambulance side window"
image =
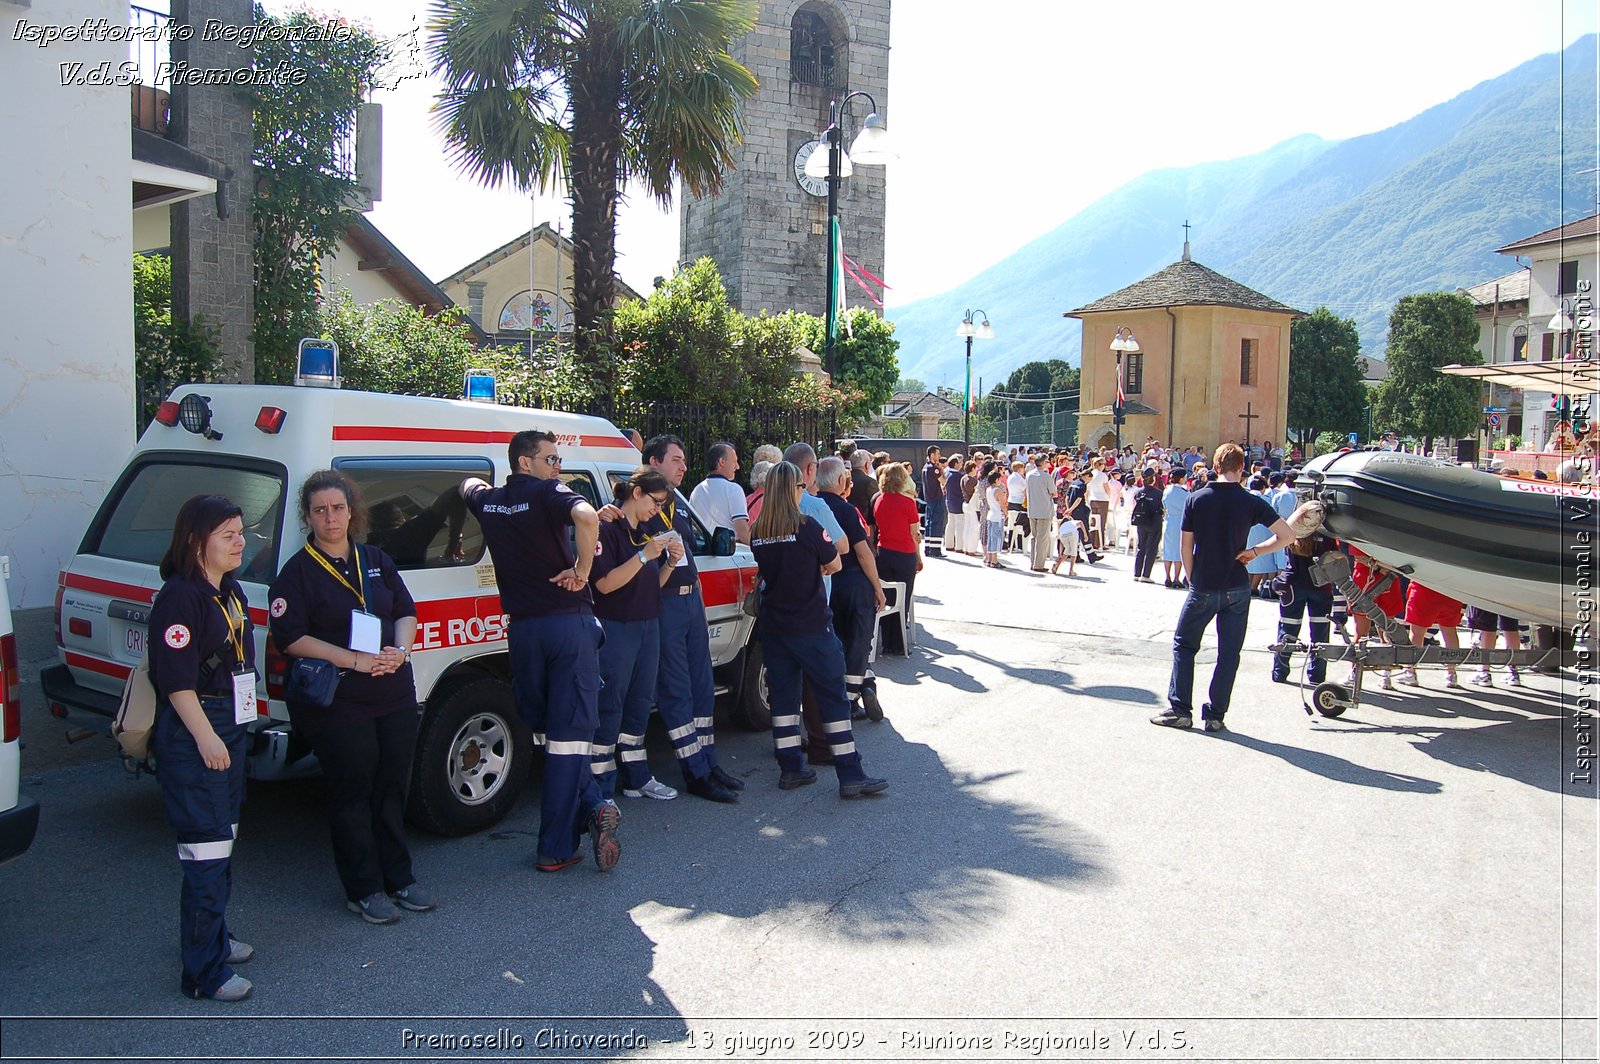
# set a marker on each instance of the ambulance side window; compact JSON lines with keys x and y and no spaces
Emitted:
{"x":414,"y":508}
{"x":583,"y":484}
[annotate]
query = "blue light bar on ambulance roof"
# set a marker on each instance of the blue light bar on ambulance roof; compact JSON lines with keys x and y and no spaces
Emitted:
{"x":479,"y":386}
{"x":317,"y":364}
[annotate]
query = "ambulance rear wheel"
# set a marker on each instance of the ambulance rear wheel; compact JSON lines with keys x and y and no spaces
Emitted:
{"x":755,"y":705}
{"x":1331,"y":699}
{"x":472,"y":760}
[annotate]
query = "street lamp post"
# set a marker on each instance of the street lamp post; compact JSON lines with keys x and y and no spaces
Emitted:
{"x":870,"y":148}
{"x":1123,"y":341}
{"x":983,"y":331}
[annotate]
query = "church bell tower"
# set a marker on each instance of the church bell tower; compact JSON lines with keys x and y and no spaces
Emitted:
{"x":767,"y":228}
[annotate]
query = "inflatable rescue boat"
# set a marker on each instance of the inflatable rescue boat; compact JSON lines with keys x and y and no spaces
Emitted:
{"x":1517,"y":547}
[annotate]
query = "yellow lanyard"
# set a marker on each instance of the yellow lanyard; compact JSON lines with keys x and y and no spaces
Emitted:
{"x":360,"y":577}
{"x":638,"y":542}
{"x":235,"y":623}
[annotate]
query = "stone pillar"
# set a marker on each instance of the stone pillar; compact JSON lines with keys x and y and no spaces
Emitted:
{"x":475,"y":303}
{"x":922,"y":426}
{"x":213,"y":266}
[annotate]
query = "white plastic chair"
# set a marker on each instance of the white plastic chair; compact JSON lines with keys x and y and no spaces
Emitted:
{"x":899,"y":607}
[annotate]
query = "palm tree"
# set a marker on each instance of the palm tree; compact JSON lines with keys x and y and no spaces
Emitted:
{"x":601,"y":91}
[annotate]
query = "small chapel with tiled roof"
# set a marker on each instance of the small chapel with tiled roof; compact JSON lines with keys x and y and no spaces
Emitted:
{"x":1212,"y":363}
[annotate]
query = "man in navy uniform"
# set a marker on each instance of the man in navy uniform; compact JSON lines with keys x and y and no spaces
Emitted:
{"x":553,"y":640}
{"x":685,"y":693}
{"x":932,"y":485}
{"x":857,"y":593}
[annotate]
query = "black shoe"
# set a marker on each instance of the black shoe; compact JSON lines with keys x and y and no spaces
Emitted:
{"x":1280,"y":677}
{"x":709,"y":789}
{"x":869,"y":701}
{"x":727,"y":779}
{"x":861,"y":787}
{"x":857,"y":711}
{"x":788,"y":781}
{"x":603,"y":827}
{"x":1211,"y":724}
{"x":1169,"y":719}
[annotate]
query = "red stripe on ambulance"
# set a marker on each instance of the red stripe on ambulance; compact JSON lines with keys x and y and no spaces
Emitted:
{"x":132,"y":592}
{"x":402,"y":434}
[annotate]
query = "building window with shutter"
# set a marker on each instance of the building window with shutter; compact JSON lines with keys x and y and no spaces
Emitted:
{"x":1133,"y":376}
{"x":1567,"y":278}
{"x":1247,"y":362}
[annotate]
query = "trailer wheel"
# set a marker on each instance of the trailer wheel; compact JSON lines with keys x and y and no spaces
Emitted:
{"x":472,"y":759}
{"x":1331,"y":699}
{"x":755,"y":705}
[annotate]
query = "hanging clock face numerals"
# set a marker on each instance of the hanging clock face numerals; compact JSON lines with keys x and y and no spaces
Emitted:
{"x":813,"y":186}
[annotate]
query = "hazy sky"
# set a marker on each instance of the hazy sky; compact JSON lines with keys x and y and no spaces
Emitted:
{"x":1012,"y":115}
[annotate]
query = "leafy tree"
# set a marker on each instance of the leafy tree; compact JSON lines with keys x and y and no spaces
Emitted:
{"x":392,"y":346}
{"x":910,"y":384}
{"x":304,"y":191}
{"x":1327,"y":443}
{"x":864,"y":357}
{"x":1326,"y":389}
{"x":166,"y":353}
{"x":1038,"y":381}
{"x":602,"y":91}
{"x":1426,"y":332}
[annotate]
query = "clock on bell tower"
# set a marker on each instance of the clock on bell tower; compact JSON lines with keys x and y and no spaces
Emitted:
{"x":767,"y":228}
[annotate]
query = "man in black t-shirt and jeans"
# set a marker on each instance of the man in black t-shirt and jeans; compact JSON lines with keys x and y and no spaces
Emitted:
{"x":1216,"y":523}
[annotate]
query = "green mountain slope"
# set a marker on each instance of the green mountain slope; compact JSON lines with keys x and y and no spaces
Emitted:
{"x":1353,"y":224}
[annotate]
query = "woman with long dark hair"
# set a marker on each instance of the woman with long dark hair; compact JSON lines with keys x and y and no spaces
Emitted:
{"x":202,"y":665}
{"x":342,"y":601}
{"x":795,"y":626}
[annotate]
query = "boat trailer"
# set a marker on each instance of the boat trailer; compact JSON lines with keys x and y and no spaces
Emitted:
{"x":1334,"y":569}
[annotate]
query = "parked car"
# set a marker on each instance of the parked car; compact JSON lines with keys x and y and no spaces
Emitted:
{"x":19,"y":816}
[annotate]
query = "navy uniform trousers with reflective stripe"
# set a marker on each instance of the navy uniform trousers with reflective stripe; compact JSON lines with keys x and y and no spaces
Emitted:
{"x":685,"y":694}
{"x":555,"y":678}
{"x":203,"y":809}
{"x":628,"y":690}
{"x":855,"y":612}
{"x":820,"y":659}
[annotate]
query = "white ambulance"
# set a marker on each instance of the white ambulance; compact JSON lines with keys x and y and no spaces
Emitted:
{"x":256,"y":445}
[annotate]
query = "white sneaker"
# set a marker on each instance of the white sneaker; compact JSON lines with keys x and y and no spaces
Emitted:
{"x":1513,"y":677}
{"x":653,"y":789}
{"x":1450,"y":679}
{"x":1385,"y":681}
{"x":1408,"y":676}
{"x":1482,"y":679}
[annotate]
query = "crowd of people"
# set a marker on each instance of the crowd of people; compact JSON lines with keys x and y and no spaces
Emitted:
{"x":607,"y":621}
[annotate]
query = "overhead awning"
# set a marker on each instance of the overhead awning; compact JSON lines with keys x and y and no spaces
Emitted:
{"x":1568,"y":377}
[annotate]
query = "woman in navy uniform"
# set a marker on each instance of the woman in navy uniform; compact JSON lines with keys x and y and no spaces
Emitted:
{"x":202,"y":665}
{"x":627,"y":576}
{"x":795,"y":626}
{"x":347,"y":605}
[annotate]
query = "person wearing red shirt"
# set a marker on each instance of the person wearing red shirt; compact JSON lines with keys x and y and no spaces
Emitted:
{"x":895,"y":515}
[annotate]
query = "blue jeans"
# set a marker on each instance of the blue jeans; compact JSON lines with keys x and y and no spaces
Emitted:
{"x":1231,"y":608}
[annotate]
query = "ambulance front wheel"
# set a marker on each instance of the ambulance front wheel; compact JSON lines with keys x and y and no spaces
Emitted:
{"x":472,"y":760}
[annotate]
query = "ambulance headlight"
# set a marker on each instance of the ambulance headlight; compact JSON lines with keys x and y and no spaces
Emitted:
{"x":479,"y":386}
{"x":194,"y":414}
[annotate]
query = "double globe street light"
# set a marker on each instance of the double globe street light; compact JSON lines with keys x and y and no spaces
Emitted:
{"x":1122,"y":343}
{"x":870,"y":148}
{"x":982,"y":331}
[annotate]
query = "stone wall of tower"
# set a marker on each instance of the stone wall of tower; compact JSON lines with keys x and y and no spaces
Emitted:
{"x":768,"y":237}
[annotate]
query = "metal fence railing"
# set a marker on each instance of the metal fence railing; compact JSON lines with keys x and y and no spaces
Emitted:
{"x":149,"y":50}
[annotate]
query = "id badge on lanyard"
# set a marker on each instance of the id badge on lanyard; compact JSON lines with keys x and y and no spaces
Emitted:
{"x":244,"y":697}
{"x":366,"y":632}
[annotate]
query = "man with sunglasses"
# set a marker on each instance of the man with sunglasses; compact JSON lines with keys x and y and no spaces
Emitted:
{"x":553,"y":639}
